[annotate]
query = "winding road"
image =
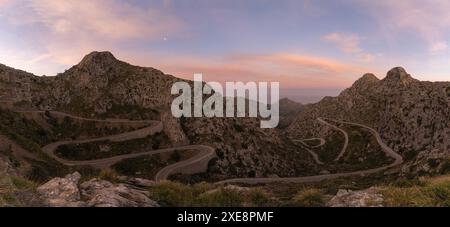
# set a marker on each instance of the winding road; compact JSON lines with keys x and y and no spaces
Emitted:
{"x":199,"y":162}
{"x":322,"y":142}
{"x":196,"y":164}
{"x":344,"y":148}
{"x":310,"y":179}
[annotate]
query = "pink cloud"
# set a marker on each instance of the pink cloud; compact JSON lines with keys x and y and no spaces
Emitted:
{"x":350,"y":44}
{"x":303,"y":62}
{"x":291,"y":70}
{"x":4,"y":2}
{"x":104,"y":18}
{"x":71,"y":28}
{"x":347,"y":43}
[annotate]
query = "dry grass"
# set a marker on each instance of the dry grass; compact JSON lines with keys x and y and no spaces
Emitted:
{"x":434,"y":192}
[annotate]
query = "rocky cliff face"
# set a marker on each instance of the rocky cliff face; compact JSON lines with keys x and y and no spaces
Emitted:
{"x":411,"y":115}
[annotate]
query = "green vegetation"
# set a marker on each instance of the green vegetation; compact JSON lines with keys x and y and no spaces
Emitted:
{"x":147,"y":166}
{"x":331,"y":149}
{"x":78,"y":105}
{"x":69,"y":128}
{"x":135,"y":112}
{"x":106,"y":148}
{"x":259,"y":198}
{"x":25,"y":132}
{"x":363,"y":151}
{"x":434,"y":193}
{"x":207,"y":195}
{"x":29,"y":136}
{"x":220,"y":197}
{"x":309,"y":198}
{"x":173,"y":194}
{"x":22,"y":183}
{"x":445,"y":169}
{"x":42,"y":171}
{"x":12,"y":189}
{"x":108,"y":175}
{"x":407,"y":183}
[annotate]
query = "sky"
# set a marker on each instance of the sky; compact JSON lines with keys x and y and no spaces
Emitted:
{"x":312,"y":47}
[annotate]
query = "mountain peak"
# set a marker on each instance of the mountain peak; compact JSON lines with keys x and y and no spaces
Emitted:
{"x":368,"y":78}
{"x":96,"y":56}
{"x":398,"y":75}
{"x":98,"y":61}
{"x":287,"y":101}
{"x":365,"y":81}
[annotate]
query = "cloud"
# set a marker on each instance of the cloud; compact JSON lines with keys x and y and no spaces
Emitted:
{"x":299,"y":62}
{"x":39,"y":58}
{"x":103,"y":18}
{"x":69,"y":29}
{"x":4,"y":2}
{"x":429,"y":19}
{"x":347,"y":43}
{"x":350,"y":44}
{"x":291,"y":70}
{"x":438,"y":47}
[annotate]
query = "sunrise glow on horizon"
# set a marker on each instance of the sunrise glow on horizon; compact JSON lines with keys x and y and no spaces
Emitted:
{"x":319,"y":47}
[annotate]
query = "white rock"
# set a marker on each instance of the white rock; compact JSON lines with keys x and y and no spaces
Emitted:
{"x":365,"y":198}
{"x":61,"y":192}
{"x":100,"y":193}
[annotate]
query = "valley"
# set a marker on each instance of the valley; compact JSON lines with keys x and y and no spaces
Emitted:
{"x":111,"y":123}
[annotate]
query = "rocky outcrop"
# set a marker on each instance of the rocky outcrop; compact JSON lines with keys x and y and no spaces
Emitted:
{"x":365,"y":82}
{"x":61,"y":192}
{"x":139,"y":182}
{"x":65,"y":192}
{"x":398,"y":76}
{"x":100,"y":193}
{"x":365,"y":198}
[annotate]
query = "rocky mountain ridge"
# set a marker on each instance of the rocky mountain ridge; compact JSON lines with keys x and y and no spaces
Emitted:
{"x":101,"y":86}
{"x":411,"y":115}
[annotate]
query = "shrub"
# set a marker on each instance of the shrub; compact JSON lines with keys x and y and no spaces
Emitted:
{"x":259,"y":198}
{"x":21,"y":183}
{"x":220,"y":197}
{"x":439,"y":194}
{"x":206,"y":195}
{"x":434,"y":194}
{"x":406,"y":183}
{"x":309,"y":198}
{"x":445,"y":167}
{"x":405,"y":197}
{"x":108,"y":175}
{"x":172,"y":194}
{"x":202,"y":187}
